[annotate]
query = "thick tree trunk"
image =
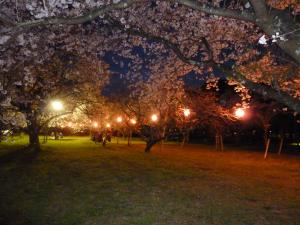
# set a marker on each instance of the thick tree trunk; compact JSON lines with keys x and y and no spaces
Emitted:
{"x":34,"y":142}
{"x":33,"y":132}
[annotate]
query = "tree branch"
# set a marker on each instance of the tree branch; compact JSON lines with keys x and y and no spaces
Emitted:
{"x":230,"y":13}
{"x":91,"y":15}
{"x":158,"y":39}
{"x":54,"y":117}
{"x":262,"y":89}
{"x":259,"y":8}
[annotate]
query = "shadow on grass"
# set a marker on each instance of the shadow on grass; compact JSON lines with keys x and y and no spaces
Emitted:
{"x":64,"y":139}
{"x":21,"y":155}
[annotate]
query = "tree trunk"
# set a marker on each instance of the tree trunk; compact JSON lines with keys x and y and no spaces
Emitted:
{"x":186,"y":138}
{"x":150,"y":144}
{"x":183,"y":141}
{"x":129,"y":138}
{"x":221,"y":143}
{"x":280,"y":145}
{"x":33,"y":132}
{"x":34,"y":142}
{"x":217,"y":141}
{"x":267,"y":148}
{"x":266,"y":135}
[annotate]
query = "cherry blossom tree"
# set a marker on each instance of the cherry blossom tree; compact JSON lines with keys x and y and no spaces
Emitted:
{"x":30,"y":88}
{"x":209,"y":112}
{"x":210,"y":36}
{"x":153,"y":102}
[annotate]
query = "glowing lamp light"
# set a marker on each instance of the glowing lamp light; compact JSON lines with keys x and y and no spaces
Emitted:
{"x":154,"y":117}
{"x":69,"y":124}
{"x":119,"y":119}
{"x":186,"y":112}
{"x":132,"y":121}
{"x":108,"y":125}
{"x":95,"y":124}
{"x":239,"y":113}
{"x":57,"y":105}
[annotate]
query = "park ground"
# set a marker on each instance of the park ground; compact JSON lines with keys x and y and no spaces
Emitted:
{"x":74,"y":181}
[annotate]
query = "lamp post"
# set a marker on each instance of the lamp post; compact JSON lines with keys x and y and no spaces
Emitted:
{"x":132,"y":123}
{"x":119,"y":121}
{"x":154,"y":118}
{"x":57,"y":106}
{"x":239,"y":113}
{"x":186,"y":114}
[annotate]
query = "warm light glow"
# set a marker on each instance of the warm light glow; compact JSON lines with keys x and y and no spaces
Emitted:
{"x":108,"y":125}
{"x":69,"y":124}
{"x":154,"y":117}
{"x":186,"y":112}
{"x":132,"y":121}
{"x":57,"y":105}
{"x":239,"y":113}
{"x":95,"y":124}
{"x":119,"y":119}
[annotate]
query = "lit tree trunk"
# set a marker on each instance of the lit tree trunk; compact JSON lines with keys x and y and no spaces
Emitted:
{"x":162,"y":140}
{"x":267,"y":148}
{"x":266,"y":135}
{"x":183,"y":140}
{"x":217,"y":141}
{"x":281,"y":144}
{"x":186,"y":138}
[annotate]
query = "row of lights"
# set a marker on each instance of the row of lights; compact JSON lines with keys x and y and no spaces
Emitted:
{"x":119,"y":120}
{"x":154,"y":118}
{"x":58,"y":106}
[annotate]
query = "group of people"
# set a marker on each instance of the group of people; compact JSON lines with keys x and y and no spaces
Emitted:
{"x":101,"y":137}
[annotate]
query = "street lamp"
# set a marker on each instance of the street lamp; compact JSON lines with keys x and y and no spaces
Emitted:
{"x":119,"y":119}
{"x":108,"y":125}
{"x":57,"y":105}
{"x":154,"y":117}
{"x":133,"y":121}
{"x":186,"y":112}
{"x":239,"y":112}
{"x":95,"y":124}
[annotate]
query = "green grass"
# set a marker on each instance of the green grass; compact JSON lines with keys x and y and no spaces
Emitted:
{"x":74,"y":181}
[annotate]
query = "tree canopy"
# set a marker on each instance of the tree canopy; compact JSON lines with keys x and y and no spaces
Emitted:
{"x":254,"y":43}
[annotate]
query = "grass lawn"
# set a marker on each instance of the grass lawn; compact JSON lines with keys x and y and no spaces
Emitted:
{"x":74,"y":181}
